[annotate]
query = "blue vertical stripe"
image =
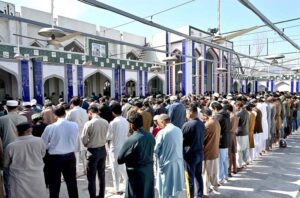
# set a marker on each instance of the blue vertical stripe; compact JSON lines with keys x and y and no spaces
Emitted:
{"x":80,"y":80}
{"x":140,"y":82}
{"x":123,"y":82}
{"x":25,"y":80}
{"x":183,"y":76}
{"x":256,"y":86}
{"x":272,"y":85}
{"x":193,"y":68}
{"x":292,"y":86}
{"x":116,"y":78}
{"x":38,"y":81}
{"x":204,"y":65}
{"x":297,"y":86}
{"x":146,"y":82}
{"x":267,"y":85}
{"x":167,"y":65}
{"x":69,"y":81}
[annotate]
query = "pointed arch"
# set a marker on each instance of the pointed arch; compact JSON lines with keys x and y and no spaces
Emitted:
{"x":74,"y":46}
{"x":36,"y":43}
{"x":282,"y":86}
{"x":132,"y":55}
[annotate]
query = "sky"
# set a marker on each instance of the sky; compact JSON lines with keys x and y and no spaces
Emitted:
{"x":199,"y":13}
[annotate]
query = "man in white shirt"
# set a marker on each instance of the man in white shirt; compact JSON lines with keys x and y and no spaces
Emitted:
{"x":78,"y":115}
{"x":117,"y":135}
{"x":61,"y":139}
{"x":94,"y":138}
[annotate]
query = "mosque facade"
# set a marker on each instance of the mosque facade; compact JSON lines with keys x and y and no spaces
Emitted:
{"x":86,"y":65}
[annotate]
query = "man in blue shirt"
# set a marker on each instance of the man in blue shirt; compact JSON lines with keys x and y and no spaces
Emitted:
{"x":176,"y":112}
{"x":61,"y":139}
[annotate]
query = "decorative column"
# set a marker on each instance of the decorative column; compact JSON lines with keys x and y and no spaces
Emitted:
{"x":272,"y":86}
{"x":168,"y":47}
{"x":69,"y":83}
{"x":229,"y":78}
{"x":140,"y":83}
{"x":292,"y":86}
{"x":203,"y":68}
{"x":116,"y":81}
{"x":183,"y":68}
{"x":25,"y":80}
{"x":256,"y":86}
{"x":123,"y":84}
{"x":38,"y":80}
{"x":193,"y":69}
{"x":80,"y":80}
{"x":146,"y":83}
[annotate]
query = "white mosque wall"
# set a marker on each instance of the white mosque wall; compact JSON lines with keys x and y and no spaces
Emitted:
{"x":10,"y":66}
{"x":109,"y":33}
{"x":50,"y":71}
{"x":76,"y":25}
{"x":4,"y":34}
{"x":36,"y":15}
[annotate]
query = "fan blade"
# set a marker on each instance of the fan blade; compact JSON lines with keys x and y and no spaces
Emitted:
{"x":290,"y":60}
{"x":29,"y":37}
{"x":67,"y":37}
{"x":239,"y":33}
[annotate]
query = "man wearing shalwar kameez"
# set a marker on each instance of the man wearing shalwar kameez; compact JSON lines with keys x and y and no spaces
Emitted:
{"x":168,"y":150}
{"x":24,"y":157}
{"x":137,"y":154}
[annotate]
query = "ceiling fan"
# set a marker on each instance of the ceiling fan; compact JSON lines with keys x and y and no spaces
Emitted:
{"x":220,"y":38}
{"x":55,"y":36}
{"x":53,"y":40}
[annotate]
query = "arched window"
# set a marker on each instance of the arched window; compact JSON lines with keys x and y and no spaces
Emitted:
{"x":36,"y":44}
{"x":131,"y":56}
{"x":74,"y":46}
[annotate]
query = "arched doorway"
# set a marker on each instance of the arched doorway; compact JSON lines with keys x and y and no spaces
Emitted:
{"x":54,"y":89}
{"x":208,"y":73}
{"x":130,"y":88}
{"x":155,"y":86}
{"x":98,"y":84}
{"x":177,"y":68}
{"x":282,"y":86}
{"x":236,"y":86}
{"x":8,"y":85}
{"x":262,"y":88}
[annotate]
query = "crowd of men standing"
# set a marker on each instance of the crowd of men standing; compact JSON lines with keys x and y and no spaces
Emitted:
{"x":156,"y":141}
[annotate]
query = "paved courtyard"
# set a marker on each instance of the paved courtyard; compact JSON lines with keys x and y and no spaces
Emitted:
{"x":275,"y":175}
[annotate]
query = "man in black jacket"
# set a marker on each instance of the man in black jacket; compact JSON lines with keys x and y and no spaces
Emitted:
{"x":242,"y":135}
{"x":193,"y":137}
{"x":224,"y":120}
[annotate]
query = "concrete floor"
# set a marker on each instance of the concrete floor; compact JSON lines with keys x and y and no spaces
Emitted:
{"x":274,"y":175}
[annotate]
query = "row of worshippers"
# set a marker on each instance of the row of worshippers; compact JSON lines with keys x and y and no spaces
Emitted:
{"x":117,"y":141}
